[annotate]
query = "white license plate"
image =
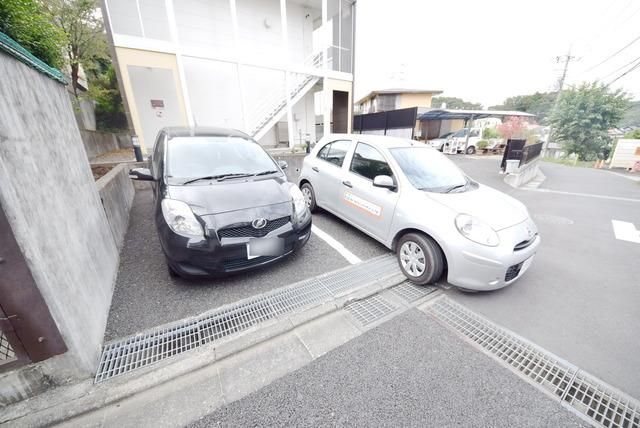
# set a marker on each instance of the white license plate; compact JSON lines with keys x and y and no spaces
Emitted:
{"x":526,"y":265}
{"x":264,"y":247}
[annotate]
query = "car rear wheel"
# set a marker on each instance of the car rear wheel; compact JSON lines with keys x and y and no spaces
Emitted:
{"x":470,"y":150}
{"x":309,"y":197}
{"x":420,"y":258}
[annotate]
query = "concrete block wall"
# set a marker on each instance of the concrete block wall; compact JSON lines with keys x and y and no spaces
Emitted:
{"x":97,"y":143}
{"x":117,"y":192}
{"x":53,"y":207}
{"x":525,"y":174}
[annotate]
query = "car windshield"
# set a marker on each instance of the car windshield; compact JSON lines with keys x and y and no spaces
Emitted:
{"x":429,"y":170}
{"x":460,"y":133}
{"x":190,"y":158}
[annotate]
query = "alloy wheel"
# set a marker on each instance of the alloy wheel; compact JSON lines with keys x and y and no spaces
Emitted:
{"x":308,"y":197}
{"x":412,"y":259}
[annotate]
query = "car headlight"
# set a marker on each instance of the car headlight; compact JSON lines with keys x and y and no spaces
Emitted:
{"x":181,"y":219}
{"x":476,"y":231}
{"x":299,"y":204}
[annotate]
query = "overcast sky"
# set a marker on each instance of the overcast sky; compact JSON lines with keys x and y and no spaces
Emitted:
{"x":487,"y":50}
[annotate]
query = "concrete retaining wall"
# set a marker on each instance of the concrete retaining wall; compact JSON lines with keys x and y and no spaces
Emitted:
{"x":53,"y":207}
{"x":294,"y":162}
{"x":97,"y":143}
{"x":524,"y":174}
{"x":117,"y":192}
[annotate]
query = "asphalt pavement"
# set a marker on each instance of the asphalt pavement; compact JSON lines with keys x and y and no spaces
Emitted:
{"x":146,"y":296}
{"x":580,"y":298}
{"x":409,"y":371}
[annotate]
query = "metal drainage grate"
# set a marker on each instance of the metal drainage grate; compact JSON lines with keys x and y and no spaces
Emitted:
{"x":124,"y":355}
{"x":6,"y":351}
{"x":370,"y":309}
{"x":410,"y":292}
{"x":601,"y":403}
{"x":589,"y":396}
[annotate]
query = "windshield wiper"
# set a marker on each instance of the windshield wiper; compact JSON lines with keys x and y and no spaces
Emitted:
{"x":219,"y":177}
{"x":264,"y":173}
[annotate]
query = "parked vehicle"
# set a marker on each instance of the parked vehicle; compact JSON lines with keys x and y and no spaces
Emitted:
{"x":418,"y":203}
{"x":221,"y":203}
{"x":457,"y":143}
{"x":438,"y":143}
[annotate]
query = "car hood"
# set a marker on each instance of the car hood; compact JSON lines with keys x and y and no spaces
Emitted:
{"x":231,"y":195}
{"x":489,"y":205}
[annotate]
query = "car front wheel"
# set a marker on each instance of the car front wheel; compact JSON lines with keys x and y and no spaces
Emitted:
{"x":309,"y":197}
{"x":470,"y":150}
{"x":420,"y":258}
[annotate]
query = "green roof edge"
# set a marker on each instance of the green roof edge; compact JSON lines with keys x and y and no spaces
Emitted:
{"x":13,"y":48}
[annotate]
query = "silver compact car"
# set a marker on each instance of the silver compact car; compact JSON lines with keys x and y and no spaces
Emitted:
{"x":418,"y":203}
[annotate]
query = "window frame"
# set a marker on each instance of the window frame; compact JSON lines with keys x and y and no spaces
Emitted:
{"x":353,"y":155}
{"x":329,"y":144}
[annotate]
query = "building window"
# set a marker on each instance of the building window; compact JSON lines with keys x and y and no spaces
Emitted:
{"x":139,"y":18}
{"x":341,"y":27}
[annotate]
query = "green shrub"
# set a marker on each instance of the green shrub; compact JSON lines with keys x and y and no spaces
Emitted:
{"x":483,"y":144}
{"x":634,"y":135}
{"x":27,"y":22}
{"x":490,"y":133}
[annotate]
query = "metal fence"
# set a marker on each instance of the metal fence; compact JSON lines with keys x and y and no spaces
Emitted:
{"x":529,"y":153}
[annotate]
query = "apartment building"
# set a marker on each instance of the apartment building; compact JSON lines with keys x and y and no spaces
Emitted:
{"x":394,"y":99}
{"x":280,"y":70}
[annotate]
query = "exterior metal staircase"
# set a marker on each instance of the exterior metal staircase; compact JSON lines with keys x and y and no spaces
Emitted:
{"x":263,"y":115}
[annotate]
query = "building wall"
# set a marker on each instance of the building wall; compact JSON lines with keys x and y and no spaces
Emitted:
{"x":141,"y":58}
{"x":627,"y":153}
{"x":413,"y":100}
{"x":52,"y":204}
{"x":330,"y":85}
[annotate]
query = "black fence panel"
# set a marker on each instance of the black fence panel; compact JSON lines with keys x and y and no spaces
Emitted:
{"x":381,"y":121}
{"x":529,"y":153}
{"x":513,"y":151}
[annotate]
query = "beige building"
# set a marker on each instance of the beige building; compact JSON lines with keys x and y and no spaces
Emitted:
{"x":394,"y":99}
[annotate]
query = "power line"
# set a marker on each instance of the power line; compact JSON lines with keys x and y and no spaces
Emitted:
{"x":614,"y":54}
{"x":624,"y":74}
{"x":619,"y":68}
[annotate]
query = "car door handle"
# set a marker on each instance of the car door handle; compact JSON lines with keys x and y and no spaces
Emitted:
{"x":315,"y":168}
{"x":347,"y":183}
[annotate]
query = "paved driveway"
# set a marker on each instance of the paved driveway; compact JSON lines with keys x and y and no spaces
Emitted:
{"x":581,"y":297}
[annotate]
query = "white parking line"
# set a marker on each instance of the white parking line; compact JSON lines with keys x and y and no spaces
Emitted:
{"x":351,"y":258}
{"x":588,"y":195}
{"x":625,"y":231}
{"x":628,"y":177}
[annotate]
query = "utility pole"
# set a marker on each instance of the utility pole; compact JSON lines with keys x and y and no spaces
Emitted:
{"x":567,"y":58}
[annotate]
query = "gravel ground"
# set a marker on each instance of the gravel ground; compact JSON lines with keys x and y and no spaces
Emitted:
{"x":410,"y":371}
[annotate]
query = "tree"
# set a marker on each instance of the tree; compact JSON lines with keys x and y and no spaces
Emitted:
{"x":634,"y":135}
{"x":539,"y":104}
{"x":82,"y":23}
{"x":584,"y":115}
{"x":632,"y":115}
{"x":512,"y":127}
{"x":26,"y":22}
{"x":103,"y":88}
{"x":455,"y":103}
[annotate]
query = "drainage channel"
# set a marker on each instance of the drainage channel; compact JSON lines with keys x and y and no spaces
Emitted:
{"x":125,"y":355}
{"x":593,"y":399}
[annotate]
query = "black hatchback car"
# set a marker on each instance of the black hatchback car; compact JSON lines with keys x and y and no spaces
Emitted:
{"x":221,"y":203}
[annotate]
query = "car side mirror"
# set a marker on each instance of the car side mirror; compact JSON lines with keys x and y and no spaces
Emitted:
{"x":283,"y":164}
{"x":141,"y":174}
{"x":384,"y":181}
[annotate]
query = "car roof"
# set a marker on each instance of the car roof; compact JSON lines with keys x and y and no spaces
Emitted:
{"x":382,"y":141}
{"x":202,"y":131}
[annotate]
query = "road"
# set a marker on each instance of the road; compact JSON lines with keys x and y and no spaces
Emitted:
{"x":410,"y":371}
{"x":579,"y":300}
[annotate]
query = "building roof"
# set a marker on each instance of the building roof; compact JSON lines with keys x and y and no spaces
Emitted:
{"x":13,"y":48}
{"x":393,"y":91}
{"x":449,"y":114}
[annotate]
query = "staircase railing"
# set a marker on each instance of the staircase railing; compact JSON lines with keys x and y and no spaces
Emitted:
{"x":260,"y":113}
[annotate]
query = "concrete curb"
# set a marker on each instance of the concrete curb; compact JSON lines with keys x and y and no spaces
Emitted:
{"x":88,"y":401}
